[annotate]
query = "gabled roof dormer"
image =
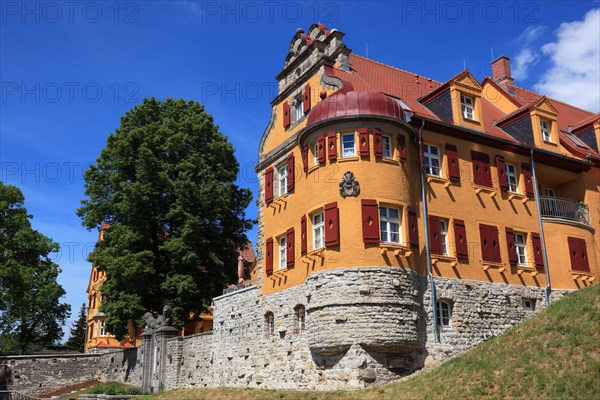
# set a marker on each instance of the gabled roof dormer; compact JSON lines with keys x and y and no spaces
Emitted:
{"x":544,"y":123}
{"x":465,"y":92}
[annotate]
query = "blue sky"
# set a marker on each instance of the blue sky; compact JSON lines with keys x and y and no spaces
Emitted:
{"x":68,"y":71}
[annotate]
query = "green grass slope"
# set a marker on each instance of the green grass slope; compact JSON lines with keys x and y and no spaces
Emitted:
{"x":553,"y":355}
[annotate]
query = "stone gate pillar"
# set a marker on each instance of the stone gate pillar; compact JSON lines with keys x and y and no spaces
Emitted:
{"x":147,"y":360}
{"x":162,"y":335}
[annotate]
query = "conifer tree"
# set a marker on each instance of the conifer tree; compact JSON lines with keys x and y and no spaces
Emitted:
{"x":77,"y":336}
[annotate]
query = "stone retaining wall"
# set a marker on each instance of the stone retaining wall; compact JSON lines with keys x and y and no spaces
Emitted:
{"x":45,"y":373}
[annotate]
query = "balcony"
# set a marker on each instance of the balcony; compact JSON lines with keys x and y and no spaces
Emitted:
{"x":565,"y":209}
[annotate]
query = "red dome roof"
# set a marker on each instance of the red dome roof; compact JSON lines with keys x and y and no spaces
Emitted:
{"x":351,"y":102}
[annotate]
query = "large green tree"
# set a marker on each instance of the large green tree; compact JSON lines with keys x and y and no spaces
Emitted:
{"x":77,"y":337}
{"x":165,"y":182}
{"x":31,"y":314}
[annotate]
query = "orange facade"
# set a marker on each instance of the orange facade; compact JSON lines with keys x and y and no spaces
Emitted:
{"x":498,"y":161}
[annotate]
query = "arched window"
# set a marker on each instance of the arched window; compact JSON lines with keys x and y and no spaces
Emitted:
{"x":269,"y":324}
{"x":443,"y":313}
{"x":300,"y":318}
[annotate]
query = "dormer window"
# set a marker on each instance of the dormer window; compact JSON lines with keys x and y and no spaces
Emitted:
{"x":545,"y":128}
{"x":466,"y":106}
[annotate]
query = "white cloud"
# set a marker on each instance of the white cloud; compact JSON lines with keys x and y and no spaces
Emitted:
{"x":523,"y":60}
{"x":574,"y":72}
{"x":531,"y":33}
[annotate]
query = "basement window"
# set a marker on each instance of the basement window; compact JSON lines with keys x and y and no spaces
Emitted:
{"x":528,"y":304}
{"x":443,"y":313}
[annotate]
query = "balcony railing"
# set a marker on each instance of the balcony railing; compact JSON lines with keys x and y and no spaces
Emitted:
{"x":556,"y":207}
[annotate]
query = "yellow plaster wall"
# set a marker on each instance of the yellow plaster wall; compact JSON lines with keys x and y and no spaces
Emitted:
{"x":467,"y":86}
{"x":497,"y":98}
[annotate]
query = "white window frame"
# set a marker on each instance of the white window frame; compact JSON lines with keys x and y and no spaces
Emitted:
{"x":444,"y":236}
{"x":512,"y":179}
{"x":346,"y":153}
{"x":386,"y":144}
{"x":318,"y":222}
{"x":521,"y":248}
{"x":386,"y":225}
{"x":298,"y":109}
{"x":467,"y":107}
{"x":430,"y":159}
{"x":443,"y":314}
{"x":545,"y":127}
{"x":269,"y":324}
{"x":282,"y":179}
{"x":528,"y":304}
{"x":300,"y":318}
{"x":282,"y":241}
{"x":102,"y":328}
{"x":316,"y":154}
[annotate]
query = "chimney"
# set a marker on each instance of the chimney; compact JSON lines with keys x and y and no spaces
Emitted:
{"x":501,"y":71}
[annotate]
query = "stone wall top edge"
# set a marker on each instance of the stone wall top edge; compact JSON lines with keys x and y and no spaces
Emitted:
{"x":35,"y":356}
{"x":385,"y":268}
{"x":244,"y":290}
{"x":195,"y":335}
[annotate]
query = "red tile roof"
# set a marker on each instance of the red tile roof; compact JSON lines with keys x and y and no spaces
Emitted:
{"x":587,"y":121}
{"x":247,"y":253}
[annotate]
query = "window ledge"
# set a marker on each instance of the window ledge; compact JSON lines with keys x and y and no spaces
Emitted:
{"x":485,"y":265}
{"x":318,"y":252}
{"x":438,"y":179}
{"x":281,"y":199}
{"x":517,"y":196}
{"x":583,"y":275}
{"x":435,"y":258}
{"x":389,"y":160}
{"x":522,"y":269}
{"x":313,"y":168}
{"x":489,"y":190}
{"x":394,"y":248}
{"x":344,"y":159}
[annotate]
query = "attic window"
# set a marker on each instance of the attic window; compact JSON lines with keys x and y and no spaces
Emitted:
{"x":545,"y":128}
{"x":298,"y":109}
{"x":466,"y":105}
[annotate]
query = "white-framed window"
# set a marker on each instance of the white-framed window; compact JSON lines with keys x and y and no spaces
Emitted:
{"x":102,"y":328}
{"x":282,"y":179}
{"x":466,"y":106}
{"x":316,"y":154}
{"x":298,"y":109}
{"x":300,"y":318}
{"x":387,"y":146}
{"x":512,"y":178}
{"x":545,"y":128}
{"x":528,"y":304}
{"x":318,"y":230}
{"x":431,"y":158}
{"x":443,"y":313}
{"x":282,"y":252}
{"x":348,"y":147}
{"x":390,"y":224}
{"x":520,"y":248}
{"x":444,"y":236}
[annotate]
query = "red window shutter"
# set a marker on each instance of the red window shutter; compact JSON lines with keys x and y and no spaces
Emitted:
{"x":306,"y":98}
{"x":332,"y":146}
{"x":501,"y":168}
{"x":538,"y":256}
{"x":574,"y":253}
{"x":332,"y":225}
{"x":510,"y":244}
{"x":527,"y":178}
{"x":363,"y":142}
{"x":453,"y":164}
{"x":286,"y":114}
{"x":402,"y":148}
{"x":291,"y":181}
{"x":482,"y":175}
{"x":413,"y":227}
{"x":321,"y":148}
{"x":370,"y":221}
{"x":583,"y":257}
{"x":305,"y":158}
{"x":377,"y":143}
{"x":490,"y":246}
{"x":269,"y":256}
{"x":460,"y":238}
{"x":269,"y":185}
{"x":303,"y":236}
{"x":291,"y":248}
{"x":435,"y":240}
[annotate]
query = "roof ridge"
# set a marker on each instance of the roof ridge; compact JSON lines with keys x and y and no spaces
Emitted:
{"x":396,"y":68}
{"x":553,"y":99}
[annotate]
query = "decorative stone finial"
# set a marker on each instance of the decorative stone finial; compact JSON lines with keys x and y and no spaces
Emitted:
{"x":323,"y":95}
{"x":299,"y":30}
